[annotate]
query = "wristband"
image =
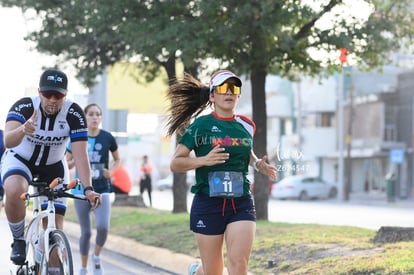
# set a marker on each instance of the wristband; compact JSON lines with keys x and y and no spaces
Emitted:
{"x":90,"y":187}
{"x":255,"y":164}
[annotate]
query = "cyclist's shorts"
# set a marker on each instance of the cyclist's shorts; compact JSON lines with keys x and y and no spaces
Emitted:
{"x":211,"y":215}
{"x":13,"y":164}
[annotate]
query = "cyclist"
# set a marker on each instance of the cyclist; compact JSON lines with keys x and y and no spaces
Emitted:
{"x":36,"y":134}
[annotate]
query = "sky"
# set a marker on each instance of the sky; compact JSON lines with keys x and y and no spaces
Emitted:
{"x":20,"y":67}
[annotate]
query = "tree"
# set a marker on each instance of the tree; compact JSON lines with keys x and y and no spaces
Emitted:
{"x":94,"y":34}
{"x":281,"y":37}
{"x":255,"y":38}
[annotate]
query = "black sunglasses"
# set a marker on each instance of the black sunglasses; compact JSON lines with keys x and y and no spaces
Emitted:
{"x":50,"y":94}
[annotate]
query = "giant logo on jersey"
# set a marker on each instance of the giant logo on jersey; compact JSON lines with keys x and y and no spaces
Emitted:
{"x":21,"y":106}
{"x":78,"y":116}
{"x":47,"y":140}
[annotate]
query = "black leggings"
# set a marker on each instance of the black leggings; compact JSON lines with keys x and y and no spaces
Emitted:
{"x":146,"y":184}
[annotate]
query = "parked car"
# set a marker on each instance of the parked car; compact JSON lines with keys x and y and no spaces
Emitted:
{"x":167,"y":182}
{"x":303,"y":188}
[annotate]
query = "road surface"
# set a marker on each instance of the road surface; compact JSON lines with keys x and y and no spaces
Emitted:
{"x":365,"y":212}
{"x":113,"y":262}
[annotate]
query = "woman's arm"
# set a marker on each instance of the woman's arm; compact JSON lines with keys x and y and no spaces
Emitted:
{"x":113,"y":164}
{"x":70,"y":160}
{"x":182,"y":161}
{"x":260,"y":165}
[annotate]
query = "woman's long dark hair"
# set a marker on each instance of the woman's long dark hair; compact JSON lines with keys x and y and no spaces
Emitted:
{"x":188,"y":97}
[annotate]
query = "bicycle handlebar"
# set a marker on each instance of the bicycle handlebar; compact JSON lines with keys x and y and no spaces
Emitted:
{"x":48,"y":190}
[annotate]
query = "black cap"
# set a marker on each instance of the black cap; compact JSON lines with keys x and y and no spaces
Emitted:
{"x":53,"y":80}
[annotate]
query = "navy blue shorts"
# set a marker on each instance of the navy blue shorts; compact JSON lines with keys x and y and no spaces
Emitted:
{"x":211,"y":215}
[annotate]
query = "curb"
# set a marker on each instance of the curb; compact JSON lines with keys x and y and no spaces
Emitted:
{"x":154,"y":256}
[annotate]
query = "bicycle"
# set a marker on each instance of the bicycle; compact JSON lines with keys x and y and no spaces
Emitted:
{"x":48,"y":246}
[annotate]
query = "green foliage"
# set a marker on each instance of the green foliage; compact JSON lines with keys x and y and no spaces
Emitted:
{"x":276,"y":34}
{"x":155,"y":228}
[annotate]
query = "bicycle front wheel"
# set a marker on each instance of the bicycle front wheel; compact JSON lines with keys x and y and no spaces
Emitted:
{"x":31,"y":266}
{"x":31,"y":232}
{"x":60,"y":255}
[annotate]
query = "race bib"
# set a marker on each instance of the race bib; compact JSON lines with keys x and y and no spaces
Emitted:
{"x":225,"y":184}
{"x":97,"y":170}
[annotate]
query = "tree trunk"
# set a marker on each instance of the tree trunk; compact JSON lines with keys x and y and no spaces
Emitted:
{"x":169,"y":67}
{"x":180,"y":190}
{"x":179,"y":179}
{"x":261,"y":191}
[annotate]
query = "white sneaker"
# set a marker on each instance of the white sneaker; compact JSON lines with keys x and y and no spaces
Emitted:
{"x":83,"y":271}
{"x":192,"y":269}
{"x":97,"y":267}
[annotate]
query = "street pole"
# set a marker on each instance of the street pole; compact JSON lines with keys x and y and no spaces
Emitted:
{"x":341,"y":136}
{"x":343,"y":188}
{"x":348,"y":147}
{"x":299,"y":122}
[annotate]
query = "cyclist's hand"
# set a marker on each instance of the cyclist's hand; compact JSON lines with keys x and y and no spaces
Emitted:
{"x":29,"y":125}
{"x":98,"y":201}
{"x":93,"y":198}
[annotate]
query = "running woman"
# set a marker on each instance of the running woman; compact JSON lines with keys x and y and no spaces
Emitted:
{"x":101,"y":144}
{"x":222,"y":210}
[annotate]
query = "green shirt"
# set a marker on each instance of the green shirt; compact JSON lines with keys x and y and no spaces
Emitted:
{"x":234,"y":134}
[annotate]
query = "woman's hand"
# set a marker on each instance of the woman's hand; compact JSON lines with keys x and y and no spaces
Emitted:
{"x":216,"y":156}
{"x":267,"y":169}
{"x":106,"y":173}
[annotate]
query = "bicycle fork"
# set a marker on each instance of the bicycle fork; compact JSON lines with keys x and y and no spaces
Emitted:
{"x":51,"y":226}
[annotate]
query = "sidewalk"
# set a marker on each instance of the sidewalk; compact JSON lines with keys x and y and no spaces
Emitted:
{"x":379,"y":199}
{"x":153,"y":256}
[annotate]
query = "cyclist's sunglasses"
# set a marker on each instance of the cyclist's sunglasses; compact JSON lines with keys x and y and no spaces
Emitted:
{"x":49,"y":94}
{"x":222,"y":89}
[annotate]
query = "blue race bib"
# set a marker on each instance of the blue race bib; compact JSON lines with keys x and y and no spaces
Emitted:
{"x":225,"y":184}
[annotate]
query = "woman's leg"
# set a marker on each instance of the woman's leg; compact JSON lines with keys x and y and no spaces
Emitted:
{"x":149,"y":191}
{"x":102,"y":216}
{"x":83,"y":212}
{"x":239,"y":242}
{"x":211,"y":253}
